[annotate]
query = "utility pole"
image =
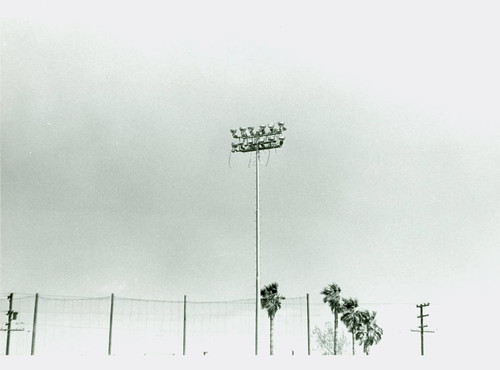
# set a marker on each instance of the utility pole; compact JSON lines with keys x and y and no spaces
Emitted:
{"x":422,"y":326}
{"x":9,"y":322}
{"x":255,"y":139}
{"x":11,"y":315}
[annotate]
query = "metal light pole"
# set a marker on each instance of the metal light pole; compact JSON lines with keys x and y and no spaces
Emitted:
{"x":255,"y":139}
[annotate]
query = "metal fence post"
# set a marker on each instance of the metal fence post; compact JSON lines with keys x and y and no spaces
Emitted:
{"x":111,"y":323}
{"x":308,"y":327}
{"x":33,"y":332}
{"x":184,"y":330}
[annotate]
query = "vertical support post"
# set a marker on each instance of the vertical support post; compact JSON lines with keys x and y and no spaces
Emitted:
{"x":184,"y":330}
{"x":110,"y":336}
{"x":422,"y":326}
{"x":308,"y":327}
{"x":421,"y":329}
{"x":33,"y":330}
{"x":9,"y":320}
{"x":257,"y":249}
{"x":249,"y":140}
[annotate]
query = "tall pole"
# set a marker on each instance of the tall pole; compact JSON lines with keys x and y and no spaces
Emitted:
{"x":257,"y":251}
{"x":33,"y":331}
{"x":308,"y":327}
{"x":110,"y":335}
{"x":9,"y":321}
{"x":255,"y":139}
{"x":421,"y":329}
{"x":422,"y":326}
{"x":184,"y":330}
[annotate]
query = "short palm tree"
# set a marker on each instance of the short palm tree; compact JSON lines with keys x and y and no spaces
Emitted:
{"x":332,"y":296}
{"x":271,"y":301}
{"x":369,"y":332}
{"x":352,"y":318}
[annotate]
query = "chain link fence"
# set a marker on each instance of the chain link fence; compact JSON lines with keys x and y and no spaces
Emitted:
{"x":47,"y":325}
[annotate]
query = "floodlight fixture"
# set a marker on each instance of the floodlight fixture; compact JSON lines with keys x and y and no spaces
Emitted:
{"x":252,"y":139}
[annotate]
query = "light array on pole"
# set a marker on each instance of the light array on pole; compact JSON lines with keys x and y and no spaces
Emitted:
{"x":251,"y":139}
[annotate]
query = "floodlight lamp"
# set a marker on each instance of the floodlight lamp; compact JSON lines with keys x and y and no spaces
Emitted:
{"x":262,"y":128}
{"x":271,"y":125}
{"x":233,"y":131}
{"x":250,"y":129}
{"x":234,"y":144}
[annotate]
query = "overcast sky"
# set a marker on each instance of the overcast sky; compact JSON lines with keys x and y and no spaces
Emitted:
{"x":116,"y":143}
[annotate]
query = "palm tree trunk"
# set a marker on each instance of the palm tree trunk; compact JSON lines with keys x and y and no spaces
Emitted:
{"x":336,"y":324}
{"x":271,"y":335}
{"x":353,"y":351}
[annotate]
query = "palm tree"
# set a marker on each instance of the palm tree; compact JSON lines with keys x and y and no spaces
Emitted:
{"x":332,"y":297}
{"x":271,"y":301}
{"x":369,"y":332}
{"x":352,"y":318}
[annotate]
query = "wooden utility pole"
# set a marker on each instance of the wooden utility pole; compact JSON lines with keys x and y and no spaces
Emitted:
{"x":422,"y":326}
{"x":11,"y":315}
{"x":9,"y":322}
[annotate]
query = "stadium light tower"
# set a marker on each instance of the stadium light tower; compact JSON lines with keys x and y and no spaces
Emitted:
{"x":255,"y":139}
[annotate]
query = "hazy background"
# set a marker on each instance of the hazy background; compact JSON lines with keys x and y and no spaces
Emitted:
{"x":115,"y":153}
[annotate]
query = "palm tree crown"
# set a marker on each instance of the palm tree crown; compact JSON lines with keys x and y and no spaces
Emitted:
{"x":369,"y":332}
{"x":270,"y":299}
{"x":332,"y":297}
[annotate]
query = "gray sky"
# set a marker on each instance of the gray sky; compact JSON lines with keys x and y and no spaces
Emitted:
{"x":115,"y":147}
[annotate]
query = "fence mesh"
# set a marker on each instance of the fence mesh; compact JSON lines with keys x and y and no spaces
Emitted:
{"x":76,"y":325}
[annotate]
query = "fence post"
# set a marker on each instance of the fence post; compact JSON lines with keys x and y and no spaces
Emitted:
{"x":33,"y":331}
{"x":111,"y":323}
{"x":308,"y":327}
{"x":184,"y":330}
